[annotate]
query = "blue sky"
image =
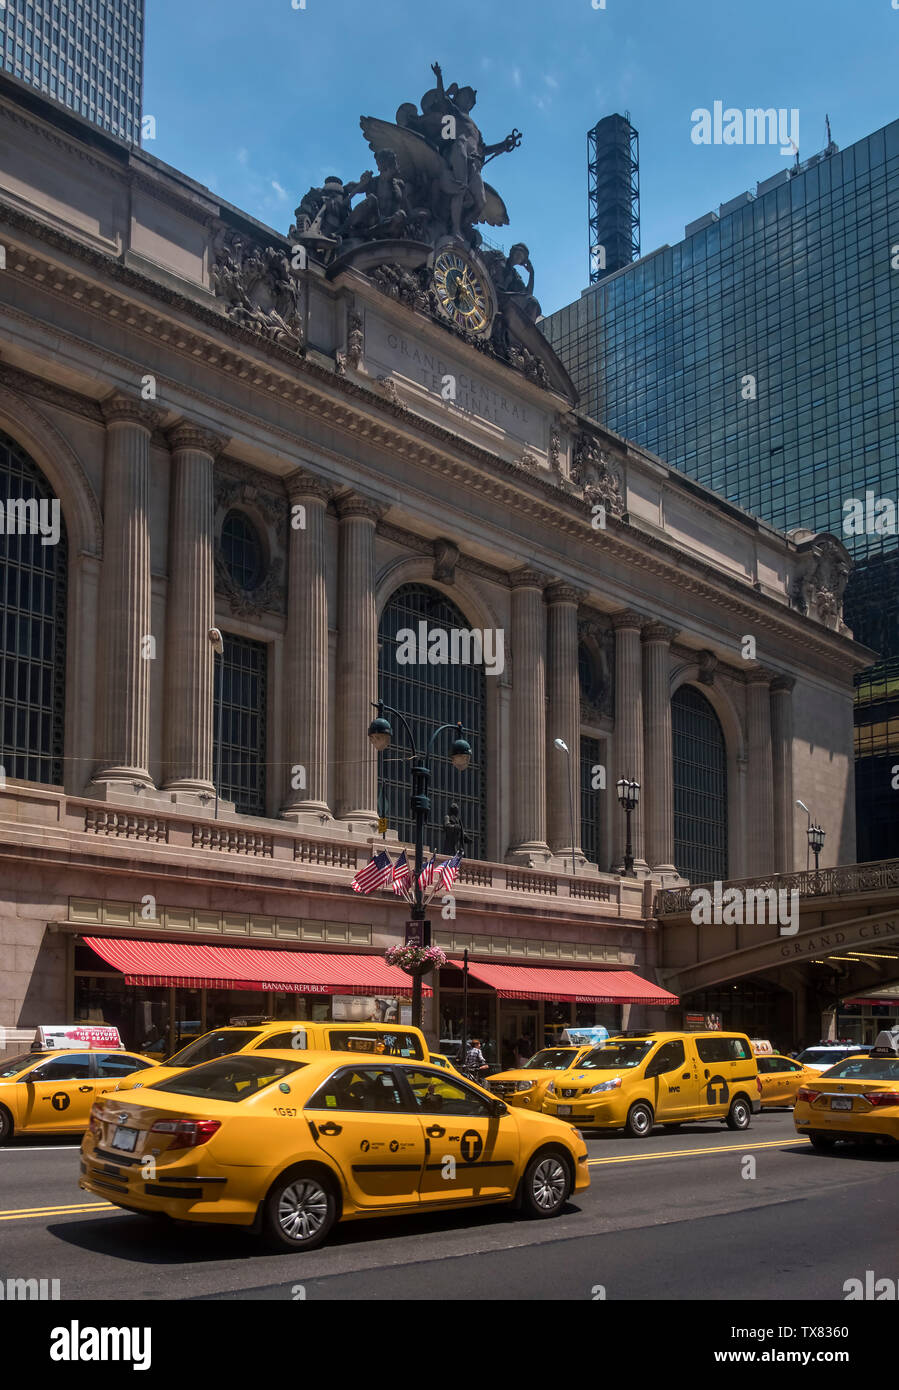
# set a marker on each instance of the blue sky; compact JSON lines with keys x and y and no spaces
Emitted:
{"x":260,"y":100}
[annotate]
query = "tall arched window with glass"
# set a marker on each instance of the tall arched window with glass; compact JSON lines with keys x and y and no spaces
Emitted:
{"x":700,"y":788}
{"x":33,"y":573}
{"x":430,"y":694}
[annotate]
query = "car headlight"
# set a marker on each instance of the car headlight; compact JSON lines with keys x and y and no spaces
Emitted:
{"x":605,"y":1086}
{"x":523,"y":1085}
{"x":551,"y":1089}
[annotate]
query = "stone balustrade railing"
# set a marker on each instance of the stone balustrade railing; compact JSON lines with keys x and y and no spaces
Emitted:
{"x":842,"y":880}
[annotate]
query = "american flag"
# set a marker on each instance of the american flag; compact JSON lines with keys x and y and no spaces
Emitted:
{"x":374,"y":875}
{"x":449,"y":871}
{"x":426,"y":877}
{"x":400,"y":876}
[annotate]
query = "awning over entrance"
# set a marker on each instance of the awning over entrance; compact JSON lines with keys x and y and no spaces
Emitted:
{"x":568,"y":986}
{"x":195,"y":966}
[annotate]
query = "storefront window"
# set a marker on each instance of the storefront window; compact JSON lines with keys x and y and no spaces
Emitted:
{"x":481,"y":1022}
{"x":141,"y":1016}
{"x":224,"y":1004}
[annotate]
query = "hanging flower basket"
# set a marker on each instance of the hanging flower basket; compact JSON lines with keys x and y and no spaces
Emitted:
{"x":414,"y":959}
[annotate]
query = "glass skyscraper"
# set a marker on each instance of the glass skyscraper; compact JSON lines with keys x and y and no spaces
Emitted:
{"x":87,"y":54}
{"x":761,"y":356}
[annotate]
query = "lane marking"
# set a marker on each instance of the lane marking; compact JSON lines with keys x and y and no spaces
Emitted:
{"x":30,"y":1213}
{"x":44,"y":1149}
{"x":692,"y":1153}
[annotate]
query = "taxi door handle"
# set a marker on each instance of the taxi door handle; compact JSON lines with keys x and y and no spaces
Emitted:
{"x":330,"y":1128}
{"x":435,"y":1131}
{"x":685,"y":1076}
{"x":85,"y":1088}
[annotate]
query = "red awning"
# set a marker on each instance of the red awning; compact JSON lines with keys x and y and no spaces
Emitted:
{"x":568,"y":986}
{"x":875,"y":999}
{"x":197,"y":966}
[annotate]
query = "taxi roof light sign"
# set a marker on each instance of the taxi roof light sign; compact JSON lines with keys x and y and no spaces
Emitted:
{"x":59,"y":1037}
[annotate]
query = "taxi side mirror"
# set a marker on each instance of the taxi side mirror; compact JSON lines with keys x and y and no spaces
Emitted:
{"x":498,"y":1108}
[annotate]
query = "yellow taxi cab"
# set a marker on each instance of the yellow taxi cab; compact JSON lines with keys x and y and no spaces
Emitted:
{"x":287,"y":1143}
{"x":526,"y":1086}
{"x":639,"y":1079}
{"x":380,"y":1039}
{"x":781,"y":1078}
{"x":439,"y":1059}
{"x":856,"y":1101}
{"x":51,"y":1089}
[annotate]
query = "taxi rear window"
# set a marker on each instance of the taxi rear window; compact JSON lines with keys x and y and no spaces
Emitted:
{"x":865,"y":1069}
{"x":233,"y":1078}
{"x":375,"y":1043}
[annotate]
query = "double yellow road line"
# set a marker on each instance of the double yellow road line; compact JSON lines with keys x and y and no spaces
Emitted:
{"x":30,"y":1213}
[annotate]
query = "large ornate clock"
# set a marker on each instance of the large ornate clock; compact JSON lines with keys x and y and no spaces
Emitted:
{"x":463,"y":291}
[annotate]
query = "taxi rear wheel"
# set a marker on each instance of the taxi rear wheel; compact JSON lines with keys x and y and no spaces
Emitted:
{"x":739,"y":1115}
{"x":639,"y":1120}
{"x":822,"y":1143}
{"x":6,"y":1125}
{"x":300,"y":1210}
{"x":546,"y":1185}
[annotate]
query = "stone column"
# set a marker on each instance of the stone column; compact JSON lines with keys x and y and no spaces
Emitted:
{"x":357,"y":661}
{"x":564,"y":721}
{"x":629,"y":729}
{"x":190,"y":613}
{"x":528,"y":760}
{"x":659,"y":790}
{"x":782,"y":767}
{"x":306,"y":703}
{"x":760,"y":790}
{"x":126,"y":646}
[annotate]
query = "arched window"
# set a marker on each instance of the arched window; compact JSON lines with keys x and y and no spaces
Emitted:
{"x":700,"y":788}
{"x":430,"y":694}
{"x":33,"y":567}
{"x":242,"y":550}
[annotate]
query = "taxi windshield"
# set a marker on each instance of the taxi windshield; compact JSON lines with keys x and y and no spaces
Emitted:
{"x":212,"y":1045}
{"x":232,"y":1078}
{"x":623,"y":1054}
{"x":551,"y":1059}
{"x":865,"y":1069}
{"x":17,"y":1064}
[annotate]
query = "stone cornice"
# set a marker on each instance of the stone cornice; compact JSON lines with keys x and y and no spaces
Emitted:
{"x":354,"y":408}
{"x":120,"y":409}
{"x":186,"y":435}
{"x":49,"y":391}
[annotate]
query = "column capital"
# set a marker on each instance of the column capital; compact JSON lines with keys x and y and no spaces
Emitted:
{"x":658,"y":632}
{"x":302,"y":484}
{"x":783,"y":685}
{"x":627,"y":618}
{"x":186,"y":435}
{"x":528,"y":579}
{"x":759,"y":675}
{"x":121,"y":408}
{"x":558,"y":591}
{"x":353,"y":504}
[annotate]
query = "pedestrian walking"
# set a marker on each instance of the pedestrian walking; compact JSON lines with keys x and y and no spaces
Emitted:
{"x":475,"y":1065}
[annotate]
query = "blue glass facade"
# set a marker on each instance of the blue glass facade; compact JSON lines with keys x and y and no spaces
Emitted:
{"x":761,"y":356}
{"x":87,"y":54}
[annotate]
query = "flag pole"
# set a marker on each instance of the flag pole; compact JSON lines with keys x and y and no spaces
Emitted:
{"x":464,"y":1006}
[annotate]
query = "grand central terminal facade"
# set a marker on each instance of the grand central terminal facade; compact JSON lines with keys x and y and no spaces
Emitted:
{"x":297,"y":440}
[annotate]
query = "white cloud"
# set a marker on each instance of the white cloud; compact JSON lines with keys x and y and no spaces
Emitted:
{"x":243,"y":155}
{"x":281,"y":192}
{"x":549,"y":80}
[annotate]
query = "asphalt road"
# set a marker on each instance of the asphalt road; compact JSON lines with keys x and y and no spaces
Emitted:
{"x":676,"y":1216}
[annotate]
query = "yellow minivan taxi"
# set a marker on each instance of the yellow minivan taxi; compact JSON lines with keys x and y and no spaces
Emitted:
{"x":51,"y":1092}
{"x":376,"y":1039}
{"x":637,"y":1080}
{"x":287,"y":1143}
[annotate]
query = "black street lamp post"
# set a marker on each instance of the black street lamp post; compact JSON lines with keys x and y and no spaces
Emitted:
{"x":629,"y":797}
{"x":816,"y":841}
{"x":380,"y":735}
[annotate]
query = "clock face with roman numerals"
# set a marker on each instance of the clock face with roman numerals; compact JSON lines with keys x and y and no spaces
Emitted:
{"x":463,"y":292}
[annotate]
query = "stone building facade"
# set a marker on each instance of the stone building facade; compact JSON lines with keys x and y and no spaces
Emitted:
{"x":276,"y":453}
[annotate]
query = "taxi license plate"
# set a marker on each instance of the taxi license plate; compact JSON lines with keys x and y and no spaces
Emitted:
{"x":841,"y":1103}
{"x":564,"y":1109}
{"x":124,"y":1138}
